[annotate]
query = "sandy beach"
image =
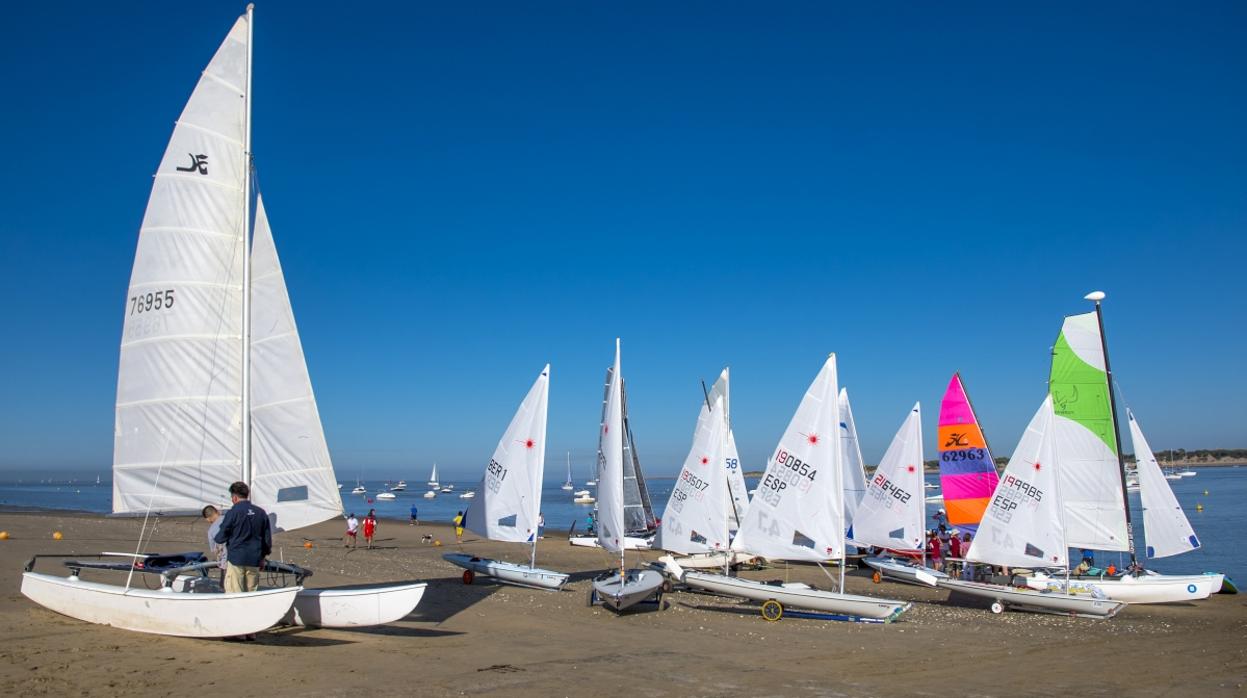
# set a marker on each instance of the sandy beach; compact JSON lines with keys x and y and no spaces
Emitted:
{"x":488,"y":639}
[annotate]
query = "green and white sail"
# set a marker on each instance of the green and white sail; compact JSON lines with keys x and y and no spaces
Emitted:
{"x":1090,"y":473}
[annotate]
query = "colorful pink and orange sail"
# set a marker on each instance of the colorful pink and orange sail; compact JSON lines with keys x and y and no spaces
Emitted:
{"x":967,"y":471}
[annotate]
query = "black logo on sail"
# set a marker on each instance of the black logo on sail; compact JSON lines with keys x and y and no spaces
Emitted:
{"x":199,"y":163}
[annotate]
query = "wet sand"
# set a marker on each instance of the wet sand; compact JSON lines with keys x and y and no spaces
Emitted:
{"x":488,"y":639}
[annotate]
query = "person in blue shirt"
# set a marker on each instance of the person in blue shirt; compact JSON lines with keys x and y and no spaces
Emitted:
{"x":415,"y":515}
{"x":248,"y":540}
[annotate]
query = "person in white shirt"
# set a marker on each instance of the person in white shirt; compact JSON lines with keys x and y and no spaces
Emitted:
{"x":352,"y":529}
{"x":216,"y":551}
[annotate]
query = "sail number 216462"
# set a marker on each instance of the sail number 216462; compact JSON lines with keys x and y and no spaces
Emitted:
{"x":152,"y":300}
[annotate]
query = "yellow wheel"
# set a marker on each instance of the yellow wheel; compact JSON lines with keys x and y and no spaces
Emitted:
{"x":772,"y":610}
{"x":876,"y":577}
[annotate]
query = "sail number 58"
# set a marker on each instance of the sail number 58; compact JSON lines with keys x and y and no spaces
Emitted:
{"x":147,"y":302}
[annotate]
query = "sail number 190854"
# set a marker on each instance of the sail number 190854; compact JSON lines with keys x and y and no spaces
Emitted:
{"x":152,"y":300}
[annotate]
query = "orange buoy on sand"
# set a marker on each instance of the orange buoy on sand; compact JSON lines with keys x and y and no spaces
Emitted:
{"x":437,"y":544}
{"x":4,"y":535}
{"x":307,"y":544}
{"x":56,"y":535}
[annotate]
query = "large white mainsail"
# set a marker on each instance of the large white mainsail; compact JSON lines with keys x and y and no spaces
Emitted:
{"x":1024,"y":525}
{"x":892,"y":514}
{"x":1165,"y":526}
{"x":738,"y":491}
{"x":851,"y":459}
{"x":797,"y":512}
{"x":509,"y":495}
{"x":695,"y":520}
{"x":1095,"y":513}
{"x":179,"y":383}
{"x":610,"y":505}
{"x":291,"y":471}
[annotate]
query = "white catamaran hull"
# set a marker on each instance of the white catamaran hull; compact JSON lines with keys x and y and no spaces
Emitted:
{"x":521,"y":575}
{"x":710,"y":561}
{"x":798,"y":596}
{"x":1149,"y":588}
{"x":1033,"y":600}
{"x":354,"y":607}
{"x":630,"y":543}
{"x":905,"y":571}
{"x":619,"y":593}
{"x":162,"y":612}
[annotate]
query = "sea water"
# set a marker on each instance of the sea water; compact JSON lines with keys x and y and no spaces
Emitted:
{"x":1218,"y":491}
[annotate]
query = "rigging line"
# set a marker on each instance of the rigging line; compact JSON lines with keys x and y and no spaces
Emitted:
{"x":150,"y":499}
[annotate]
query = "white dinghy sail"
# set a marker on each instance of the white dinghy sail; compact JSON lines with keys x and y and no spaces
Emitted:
{"x":853,"y":463}
{"x":738,"y":490}
{"x":695,"y":520}
{"x":509,"y":504}
{"x":1166,"y":529}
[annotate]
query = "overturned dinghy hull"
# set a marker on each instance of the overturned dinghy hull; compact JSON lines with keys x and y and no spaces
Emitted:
{"x":618,"y":592}
{"x":799,"y":596}
{"x":1148,"y":588}
{"x":1004,"y":597}
{"x":630,"y":542}
{"x":710,"y":561}
{"x":161,"y":612}
{"x":509,"y":572}
{"x":354,"y":607}
{"x":904,"y":571}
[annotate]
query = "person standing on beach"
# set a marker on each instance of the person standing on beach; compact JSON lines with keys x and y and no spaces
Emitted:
{"x":370,"y":527}
{"x":458,"y":520}
{"x":216,"y":551}
{"x":248,"y":541}
{"x":352,"y":532}
{"x":415,"y":515}
{"x":541,"y":526}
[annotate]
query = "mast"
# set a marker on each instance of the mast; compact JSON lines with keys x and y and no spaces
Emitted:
{"x":1096,"y":297}
{"x":246,"y":261}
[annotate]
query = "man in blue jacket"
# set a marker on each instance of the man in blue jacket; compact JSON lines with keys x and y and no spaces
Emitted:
{"x":248,"y":540}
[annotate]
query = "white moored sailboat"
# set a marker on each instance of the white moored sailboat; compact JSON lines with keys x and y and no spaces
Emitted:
{"x":212,"y":385}
{"x":892,"y":515}
{"x":510,"y":503}
{"x":1081,"y":385}
{"x":433,"y":478}
{"x":622,"y":588}
{"x":798,"y":514}
{"x":568,"y":486}
{"x":1024,"y":526}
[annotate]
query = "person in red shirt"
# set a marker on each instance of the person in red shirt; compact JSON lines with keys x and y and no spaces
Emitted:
{"x":933,"y":550}
{"x":370,"y":527}
{"x":954,"y":551}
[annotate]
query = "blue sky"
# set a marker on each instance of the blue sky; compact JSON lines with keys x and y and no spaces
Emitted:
{"x":462,"y":193}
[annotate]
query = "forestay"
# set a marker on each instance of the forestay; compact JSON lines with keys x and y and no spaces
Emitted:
{"x":610,"y":505}
{"x":738,"y":490}
{"x":179,"y":384}
{"x":508,"y":499}
{"x":797,"y":512}
{"x":1023,"y":525}
{"x":695,"y":520}
{"x":1095,"y":514}
{"x":1165,"y":526}
{"x":291,"y":472}
{"x":851,"y":459}
{"x":892,"y":512}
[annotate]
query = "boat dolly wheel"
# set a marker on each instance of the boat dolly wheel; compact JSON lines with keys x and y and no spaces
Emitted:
{"x":998,"y":607}
{"x":772,"y":610}
{"x":876,"y":577}
{"x":468,"y":576}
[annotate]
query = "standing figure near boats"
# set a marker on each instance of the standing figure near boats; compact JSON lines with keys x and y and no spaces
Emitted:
{"x":458,"y":521}
{"x":216,"y":551}
{"x":352,"y":532}
{"x":248,"y":540}
{"x":370,"y":527}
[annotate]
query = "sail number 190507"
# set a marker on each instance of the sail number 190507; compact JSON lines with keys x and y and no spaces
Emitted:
{"x":153,"y":300}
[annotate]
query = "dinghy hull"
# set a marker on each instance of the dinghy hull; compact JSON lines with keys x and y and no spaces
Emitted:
{"x":160,"y":612}
{"x":1149,"y":588}
{"x":354,"y":607}
{"x":618,"y":593}
{"x":509,"y":572}
{"x":630,"y":543}
{"x":798,"y":596}
{"x":903,"y":571}
{"x":1003,"y":597}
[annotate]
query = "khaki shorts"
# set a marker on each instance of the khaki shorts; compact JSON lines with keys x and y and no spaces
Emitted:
{"x":241,"y":578}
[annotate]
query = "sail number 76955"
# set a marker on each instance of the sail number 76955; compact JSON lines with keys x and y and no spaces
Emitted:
{"x":153,"y":300}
